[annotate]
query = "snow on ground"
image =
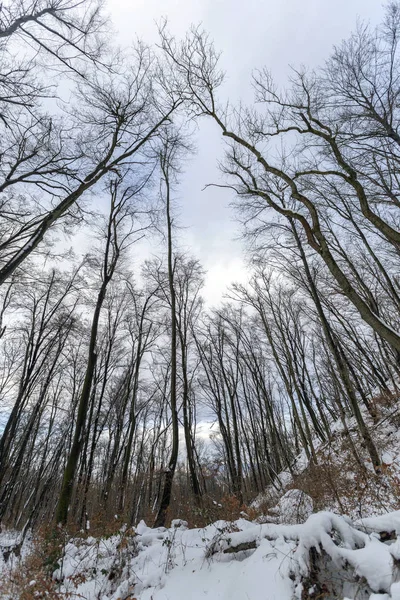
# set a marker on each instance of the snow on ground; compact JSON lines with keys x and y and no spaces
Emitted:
{"x":328,"y":556}
{"x":14,"y":547}
{"x":175,"y":564}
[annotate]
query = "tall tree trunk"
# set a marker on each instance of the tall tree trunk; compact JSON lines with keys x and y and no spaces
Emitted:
{"x":109,"y":265}
{"x":338,"y":357}
{"x":170,"y":471}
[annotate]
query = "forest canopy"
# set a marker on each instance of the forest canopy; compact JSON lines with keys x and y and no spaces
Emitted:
{"x":107,"y":370}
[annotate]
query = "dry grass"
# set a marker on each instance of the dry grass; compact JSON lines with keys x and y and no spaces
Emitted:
{"x":30,"y":578}
{"x":208,"y":511}
{"x":339,"y":483}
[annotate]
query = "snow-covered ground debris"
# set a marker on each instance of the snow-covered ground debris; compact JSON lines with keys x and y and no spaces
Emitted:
{"x":328,"y":556}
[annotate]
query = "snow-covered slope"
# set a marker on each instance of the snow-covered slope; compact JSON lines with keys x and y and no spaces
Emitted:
{"x":337,"y":483}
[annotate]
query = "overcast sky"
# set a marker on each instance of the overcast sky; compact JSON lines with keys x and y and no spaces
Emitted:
{"x":251,"y":34}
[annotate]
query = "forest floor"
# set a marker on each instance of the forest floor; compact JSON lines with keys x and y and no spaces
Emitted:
{"x":328,"y":556}
{"x":330,"y":531}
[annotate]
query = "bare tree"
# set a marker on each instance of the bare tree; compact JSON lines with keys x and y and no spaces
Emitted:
{"x":119,"y":233}
{"x":326,"y":148}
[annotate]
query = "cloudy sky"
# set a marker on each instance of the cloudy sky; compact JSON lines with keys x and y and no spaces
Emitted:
{"x":251,"y":34}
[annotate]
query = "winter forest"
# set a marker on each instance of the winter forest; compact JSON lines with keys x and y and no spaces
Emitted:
{"x":147,"y":434}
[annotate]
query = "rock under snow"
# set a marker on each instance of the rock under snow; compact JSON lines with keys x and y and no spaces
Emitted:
{"x":294,"y":507}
